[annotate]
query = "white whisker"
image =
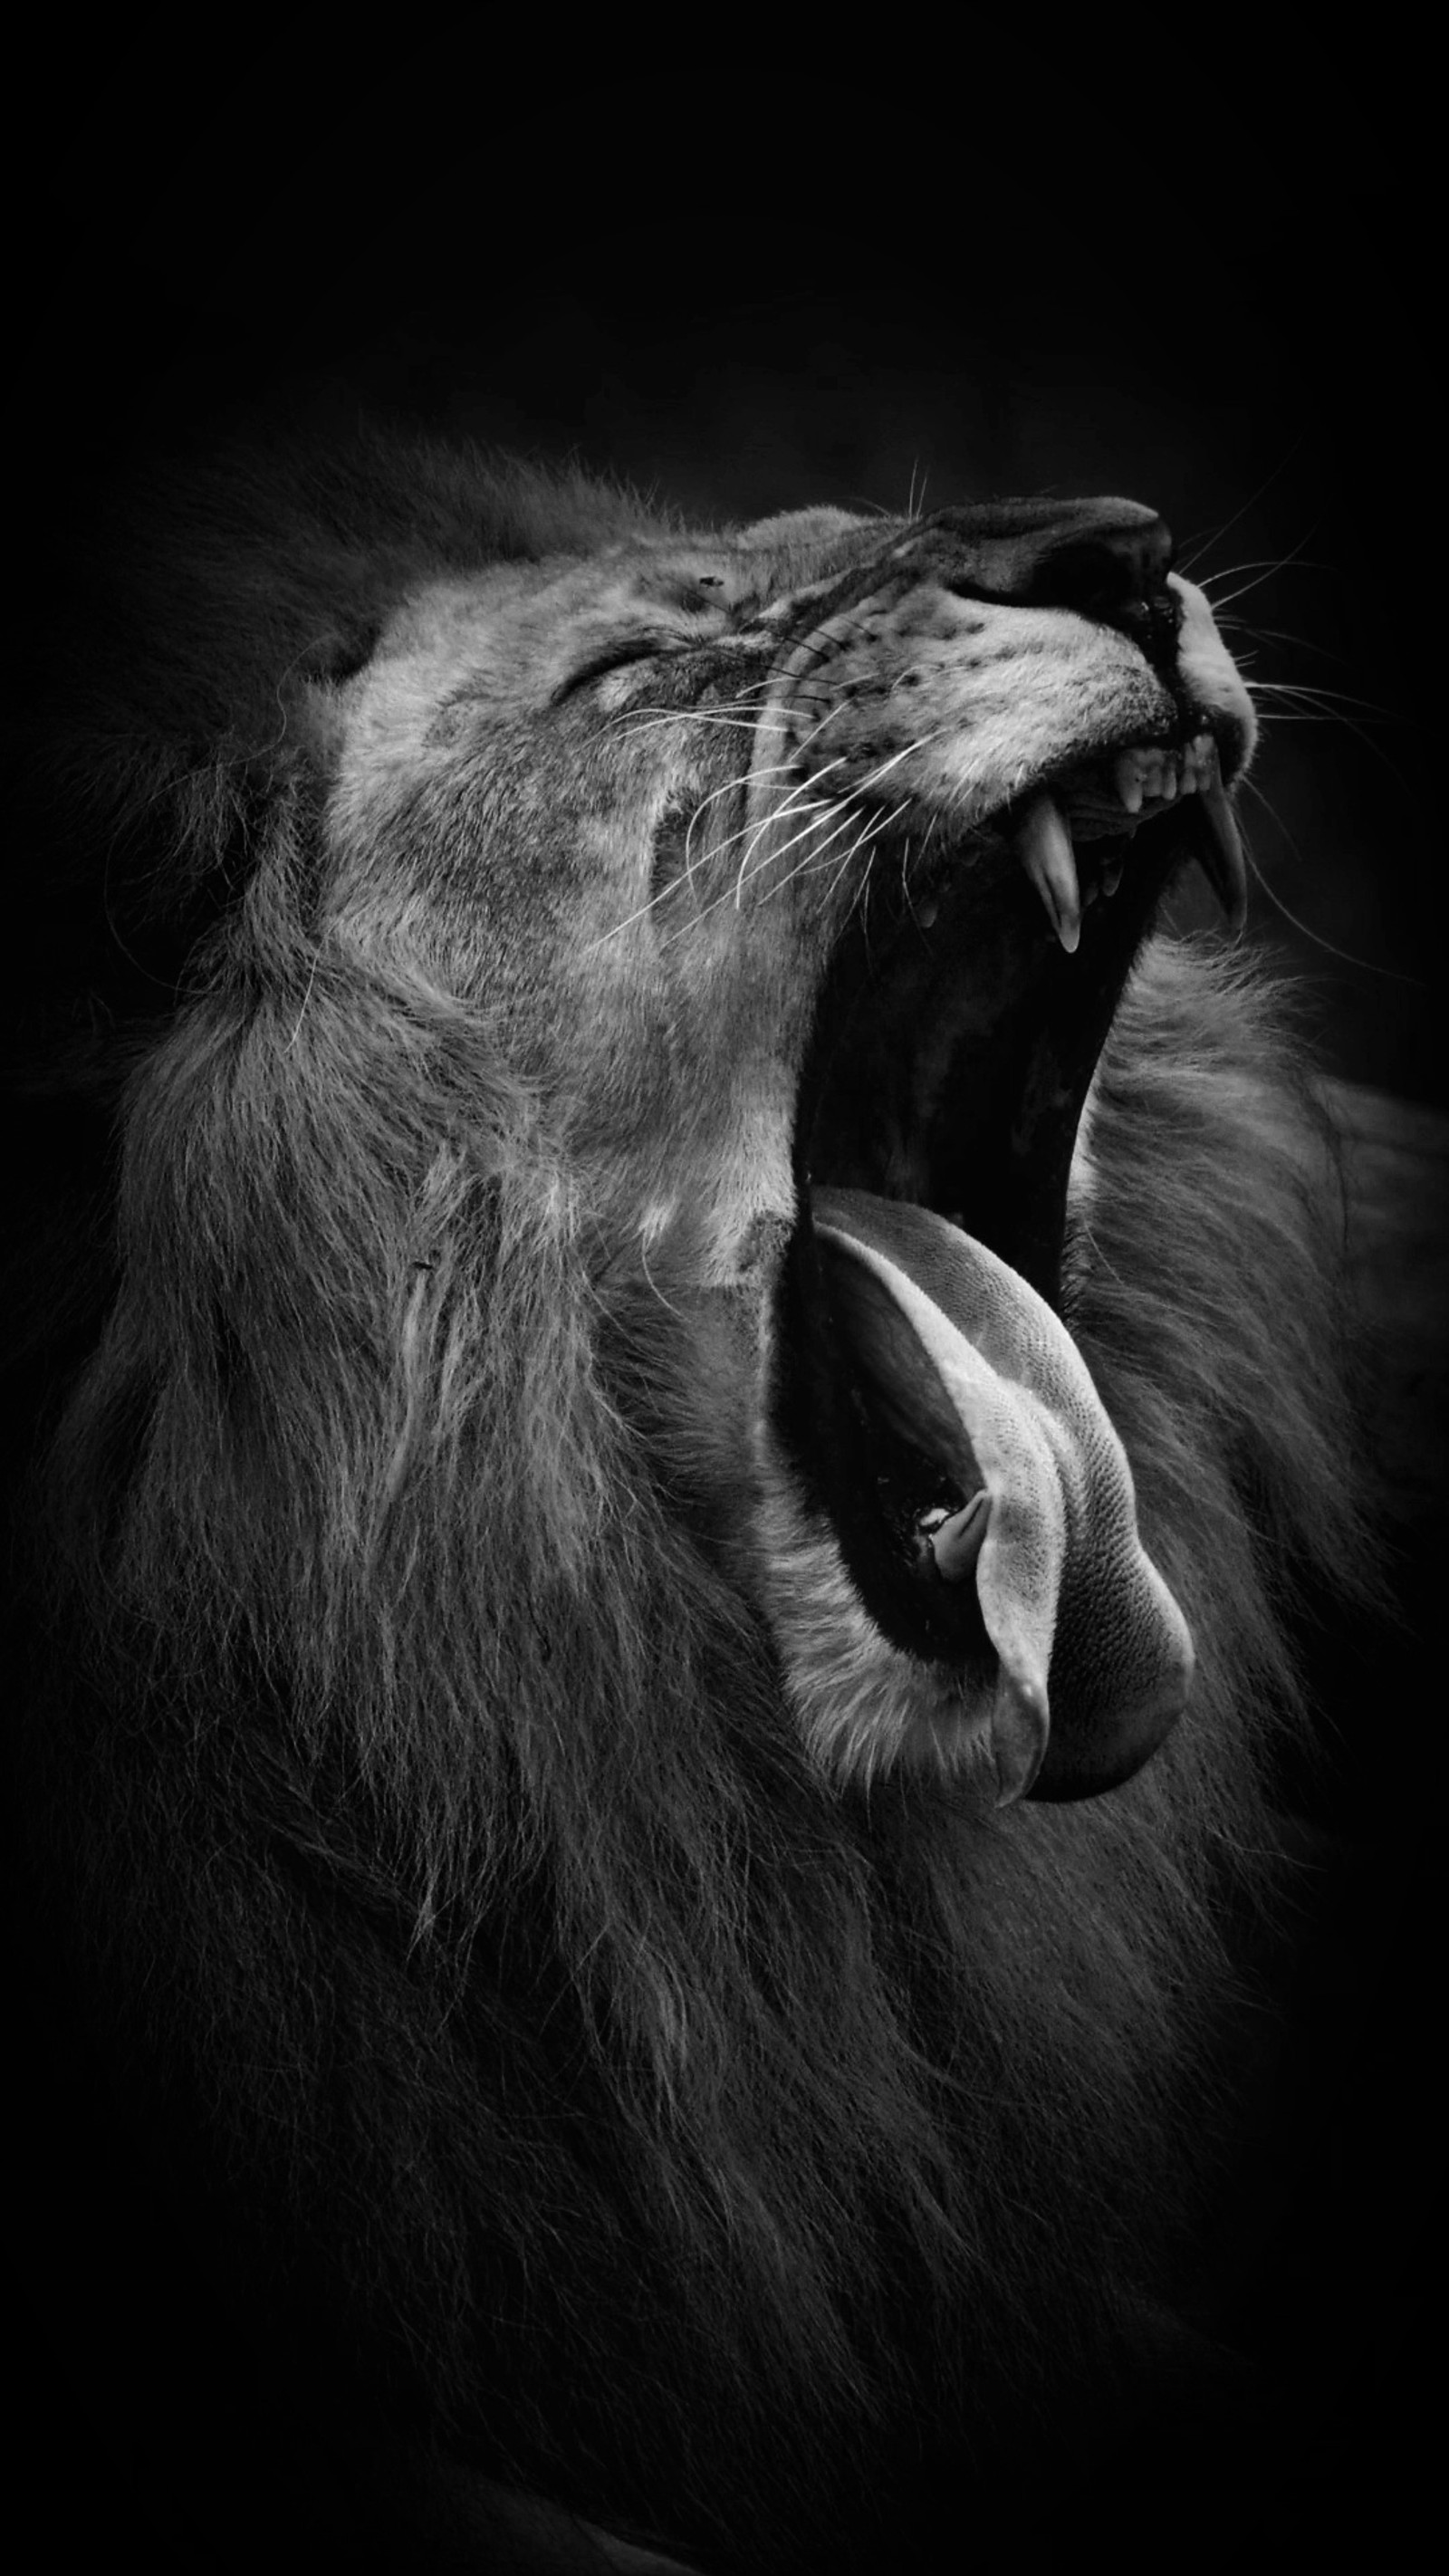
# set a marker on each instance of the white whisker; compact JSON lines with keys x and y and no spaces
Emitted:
{"x":815,"y":857}
{"x":1262,"y":569}
{"x":1366,"y":965}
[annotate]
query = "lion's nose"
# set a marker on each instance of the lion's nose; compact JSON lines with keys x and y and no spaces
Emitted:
{"x":1106,"y":559}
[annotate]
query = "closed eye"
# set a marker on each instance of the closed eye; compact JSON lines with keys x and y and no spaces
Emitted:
{"x":610,"y":657}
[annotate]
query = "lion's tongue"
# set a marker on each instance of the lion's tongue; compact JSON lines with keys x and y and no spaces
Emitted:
{"x":981,"y":1376}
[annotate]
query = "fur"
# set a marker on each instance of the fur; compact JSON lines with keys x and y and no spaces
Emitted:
{"x":550,"y":2053}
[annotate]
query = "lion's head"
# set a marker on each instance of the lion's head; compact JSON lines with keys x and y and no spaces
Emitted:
{"x":864,"y":823}
{"x":702,"y":1345}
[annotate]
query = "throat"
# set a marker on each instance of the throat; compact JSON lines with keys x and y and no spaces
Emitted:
{"x":951,"y":1065}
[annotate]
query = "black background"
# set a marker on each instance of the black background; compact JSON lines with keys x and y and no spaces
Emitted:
{"x":1198,"y":273}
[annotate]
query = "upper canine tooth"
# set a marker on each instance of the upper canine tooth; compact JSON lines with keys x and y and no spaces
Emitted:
{"x":1045,"y":848}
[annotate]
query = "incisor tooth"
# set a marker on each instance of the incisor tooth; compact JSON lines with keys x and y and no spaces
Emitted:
{"x":1045,"y":848}
{"x":1149,"y":775}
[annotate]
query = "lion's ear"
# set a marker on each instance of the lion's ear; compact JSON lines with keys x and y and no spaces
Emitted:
{"x":799,"y":528}
{"x":804,"y":543}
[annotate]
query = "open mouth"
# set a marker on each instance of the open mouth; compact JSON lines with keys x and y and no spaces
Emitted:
{"x":929,"y":1390}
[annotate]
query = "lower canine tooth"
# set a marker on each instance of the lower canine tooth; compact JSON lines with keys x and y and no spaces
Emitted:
{"x":1220,"y":850}
{"x":1045,"y":848}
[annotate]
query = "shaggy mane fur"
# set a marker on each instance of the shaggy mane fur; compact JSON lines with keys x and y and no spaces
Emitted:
{"x":564,"y":2071}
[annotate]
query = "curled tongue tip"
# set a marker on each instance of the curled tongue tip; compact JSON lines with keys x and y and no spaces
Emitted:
{"x":1044,"y":846}
{"x":955,"y":1537}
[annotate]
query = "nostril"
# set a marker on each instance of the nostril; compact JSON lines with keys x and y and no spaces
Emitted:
{"x":1152,"y":622}
{"x":1108,"y":559}
{"x":1068,"y":554}
{"x":1107,"y":571}
{"x":1117,"y":576}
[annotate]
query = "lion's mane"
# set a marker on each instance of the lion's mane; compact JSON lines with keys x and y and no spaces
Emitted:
{"x":550,"y":2056}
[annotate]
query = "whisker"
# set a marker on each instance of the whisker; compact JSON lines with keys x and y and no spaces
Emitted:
{"x":1331,"y":711}
{"x":918,"y":742}
{"x":1214,"y":535}
{"x":1364,"y":965}
{"x":814,"y":857}
{"x":643,"y":718}
{"x":743,"y":708}
{"x":795,"y":802}
{"x":746,"y":873}
{"x":642,"y":910}
{"x":1280,"y":635}
{"x":1276,"y":716}
{"x":1329,"y":697}
{"x":862,"y":841}
{"x":800,"y":800}
{"x":873,"y":827}
{"x":758,"y":831}
{"x":815,"y":860}
{"x":1262,"y":568}
{"x":868,"y":839}
{"x":865,"y":839}
{"x":739,"y":786}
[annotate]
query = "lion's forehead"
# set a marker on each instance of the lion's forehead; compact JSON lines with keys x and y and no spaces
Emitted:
{"x":515,"y":624}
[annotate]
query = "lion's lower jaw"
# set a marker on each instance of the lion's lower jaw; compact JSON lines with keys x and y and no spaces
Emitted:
{"x":863,"y":1707}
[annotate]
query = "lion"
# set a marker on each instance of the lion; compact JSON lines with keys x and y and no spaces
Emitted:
{"x":678,"y":1376}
